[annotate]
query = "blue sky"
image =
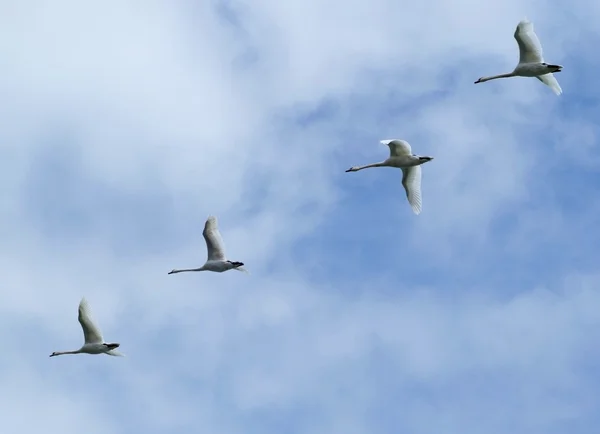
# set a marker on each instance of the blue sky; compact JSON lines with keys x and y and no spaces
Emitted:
{"x":124,"y":126}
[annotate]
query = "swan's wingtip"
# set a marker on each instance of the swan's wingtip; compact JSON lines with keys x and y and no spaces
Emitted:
{"x":416,"y":208}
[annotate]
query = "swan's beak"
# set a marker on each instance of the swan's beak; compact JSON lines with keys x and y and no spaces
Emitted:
{"x":478,"y":81}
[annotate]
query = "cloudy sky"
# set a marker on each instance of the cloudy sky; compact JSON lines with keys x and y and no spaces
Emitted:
{"x":123,"y":125}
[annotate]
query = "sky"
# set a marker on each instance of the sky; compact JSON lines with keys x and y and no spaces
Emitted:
{"x":123,"y":125}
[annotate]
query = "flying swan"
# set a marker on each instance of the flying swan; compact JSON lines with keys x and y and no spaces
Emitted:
{"x":401,"y":156}
{"x":216,"y":260}
{"x":531,"y":62}
{"x":94,"y":342}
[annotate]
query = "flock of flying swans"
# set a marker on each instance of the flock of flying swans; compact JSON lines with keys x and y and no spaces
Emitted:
{"x":216,"y":261}
{"x":531,"y":64}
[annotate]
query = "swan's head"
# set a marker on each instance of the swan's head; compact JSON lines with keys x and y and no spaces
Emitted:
{"x":54,"y":354}
{"x":480,"y":80}
{"x":352,"y":169}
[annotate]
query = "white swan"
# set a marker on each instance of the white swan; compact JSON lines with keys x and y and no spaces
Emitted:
{"x":94,"y":342}
{"x":401,"y":156}
{"x":531,"y":61}
{"x":216,"y":260}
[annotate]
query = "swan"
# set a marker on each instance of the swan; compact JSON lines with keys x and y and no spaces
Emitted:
{"x":401,"y":156}
{"x":94,"y":342}
{"x":531,"y":62}
{"x":216,"y":260}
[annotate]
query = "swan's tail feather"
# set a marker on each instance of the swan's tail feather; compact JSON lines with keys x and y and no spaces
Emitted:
{"x":242,"y":269}
{"x":115,"y":353}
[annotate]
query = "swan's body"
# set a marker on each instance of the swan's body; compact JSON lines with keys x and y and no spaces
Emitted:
{"x":94,"y":342}
{"x":401,"y":156}
{"x":216,"y":260}
{"x":531,"y":60}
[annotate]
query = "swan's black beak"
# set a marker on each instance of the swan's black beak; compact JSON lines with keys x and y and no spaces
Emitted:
{"x":478,"y":81}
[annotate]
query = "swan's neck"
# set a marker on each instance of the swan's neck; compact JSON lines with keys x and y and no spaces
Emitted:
{"x":493,"y":77}
{"x":382,"y":164}
{"x":60,"y":353}
{"x":187,"y":269}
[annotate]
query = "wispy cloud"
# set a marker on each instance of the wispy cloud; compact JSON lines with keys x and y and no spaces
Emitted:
{"x":124,"y":126}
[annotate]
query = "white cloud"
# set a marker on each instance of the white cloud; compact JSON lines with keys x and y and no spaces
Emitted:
{"x":125,"y":126}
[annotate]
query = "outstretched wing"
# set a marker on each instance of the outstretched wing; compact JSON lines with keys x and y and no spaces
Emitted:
{"x":214,"y":241}
{"x":398,"y":147}
{"x":530,"y":48}
{"x":550,"y":80}
{"x":91,"y":332}
{"x":411,"y":180}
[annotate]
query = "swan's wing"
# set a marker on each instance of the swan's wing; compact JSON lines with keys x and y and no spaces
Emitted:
{"x":550,"y":80}
{"x":398,"y":147}
{"x":530,"y":48}
{"x":411,"y":180}
{"x":91,"y":332}
{"x":214,"y":241}
{"x":115,"y":353}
